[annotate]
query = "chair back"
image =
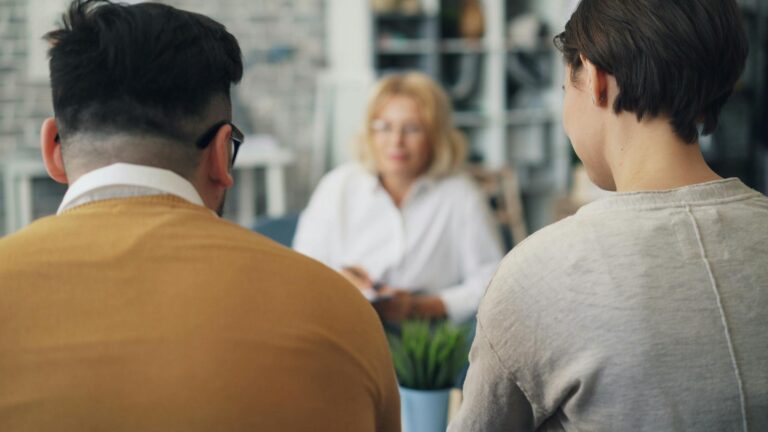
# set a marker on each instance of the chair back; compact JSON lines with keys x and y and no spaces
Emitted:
{"x":280,"y":229}
{"x":503,"y":190}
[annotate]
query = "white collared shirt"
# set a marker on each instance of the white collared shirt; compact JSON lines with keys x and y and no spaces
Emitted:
{"x":442,"y":241}
{"x":122,"y":180}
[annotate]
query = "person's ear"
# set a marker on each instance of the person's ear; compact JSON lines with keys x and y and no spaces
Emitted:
{"x":219,"y":157}
{"x":597,"y":82}
{"x":50,"y":146}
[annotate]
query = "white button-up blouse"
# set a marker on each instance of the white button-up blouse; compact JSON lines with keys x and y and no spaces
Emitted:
{"x":442,"y":241}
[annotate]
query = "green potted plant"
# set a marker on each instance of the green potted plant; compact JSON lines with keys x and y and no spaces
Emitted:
{"x":427,"y":357}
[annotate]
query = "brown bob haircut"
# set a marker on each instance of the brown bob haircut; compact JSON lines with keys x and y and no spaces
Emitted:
{"x":448,"y":145}
{"x":676,"y":58}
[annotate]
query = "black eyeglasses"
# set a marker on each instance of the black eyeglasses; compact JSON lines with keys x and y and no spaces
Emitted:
{"x":207,"y":137}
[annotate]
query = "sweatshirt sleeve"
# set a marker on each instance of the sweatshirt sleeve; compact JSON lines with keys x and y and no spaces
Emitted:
{"x":492,"y":399}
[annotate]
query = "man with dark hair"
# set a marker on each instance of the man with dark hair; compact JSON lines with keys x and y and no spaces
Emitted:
{"x":647,"y":310}
{"x":136,"y":307}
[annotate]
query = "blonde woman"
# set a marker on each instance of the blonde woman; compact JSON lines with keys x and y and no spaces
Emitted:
{"x":404,"y":220}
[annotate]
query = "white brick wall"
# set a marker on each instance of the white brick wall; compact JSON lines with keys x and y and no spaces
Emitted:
{"x":22,"y":104}
{"x":276,"y":95}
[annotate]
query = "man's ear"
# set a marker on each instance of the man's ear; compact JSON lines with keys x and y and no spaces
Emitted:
{"x":597,"y":82}
{"x":50,"y":145}
{"x":218,"y":157}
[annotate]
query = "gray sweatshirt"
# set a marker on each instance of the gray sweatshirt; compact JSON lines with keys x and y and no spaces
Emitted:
{"x":643,"y":312}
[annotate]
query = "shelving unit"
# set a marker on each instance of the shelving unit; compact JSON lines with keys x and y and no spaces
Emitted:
{"x":507,"y":122}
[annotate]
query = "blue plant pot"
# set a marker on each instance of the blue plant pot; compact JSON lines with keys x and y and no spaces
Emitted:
{"x":424,"y":410}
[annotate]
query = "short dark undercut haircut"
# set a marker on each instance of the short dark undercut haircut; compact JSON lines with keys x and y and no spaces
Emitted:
{"x":677,"y":58}
{"x":144,"y":69}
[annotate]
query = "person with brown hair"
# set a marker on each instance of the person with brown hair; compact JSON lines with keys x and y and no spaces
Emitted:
{"x":404,"y":218}
{"x":648,"y":309}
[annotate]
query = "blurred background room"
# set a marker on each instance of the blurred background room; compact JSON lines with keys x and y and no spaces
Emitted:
{"x":309,"y":66}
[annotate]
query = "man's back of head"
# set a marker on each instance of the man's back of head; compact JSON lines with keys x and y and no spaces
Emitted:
{"x":139,"y":84}
{"x":135,"y":307}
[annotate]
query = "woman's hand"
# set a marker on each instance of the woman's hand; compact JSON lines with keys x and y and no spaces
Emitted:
{"x":396,"y":308}
{"x":358,"y":277}
{"x":403,"y":305}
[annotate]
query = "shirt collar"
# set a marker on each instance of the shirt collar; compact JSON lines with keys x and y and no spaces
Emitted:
{"x":370,"y":180}
{"x":712,"y":192}
{"x":123,"y":175}
{"x":423,"y":183}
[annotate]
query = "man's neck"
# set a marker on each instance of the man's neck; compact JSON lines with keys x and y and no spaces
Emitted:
{"x":648,"y":155}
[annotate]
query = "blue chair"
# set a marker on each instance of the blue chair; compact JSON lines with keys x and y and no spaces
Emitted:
{"x":280,"y":229}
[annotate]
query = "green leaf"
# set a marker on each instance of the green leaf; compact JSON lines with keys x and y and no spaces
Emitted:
{"x":428,"y":355}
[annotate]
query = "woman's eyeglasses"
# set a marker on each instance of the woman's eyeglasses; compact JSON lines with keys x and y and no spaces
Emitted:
{"x":386,"y":128}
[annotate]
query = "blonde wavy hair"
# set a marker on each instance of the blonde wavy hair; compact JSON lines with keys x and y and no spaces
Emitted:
{"x":448,"y":145}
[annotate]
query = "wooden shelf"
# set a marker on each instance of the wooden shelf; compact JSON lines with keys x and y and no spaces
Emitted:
{"x":462,"y":46}
{"x":469,"y":119}
{"x":405,"y":47}
{"x":543,"y":49}
{"x":399,"y":17}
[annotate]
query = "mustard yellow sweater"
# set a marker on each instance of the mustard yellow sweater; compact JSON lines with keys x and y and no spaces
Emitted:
{"x":151,"y":314}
